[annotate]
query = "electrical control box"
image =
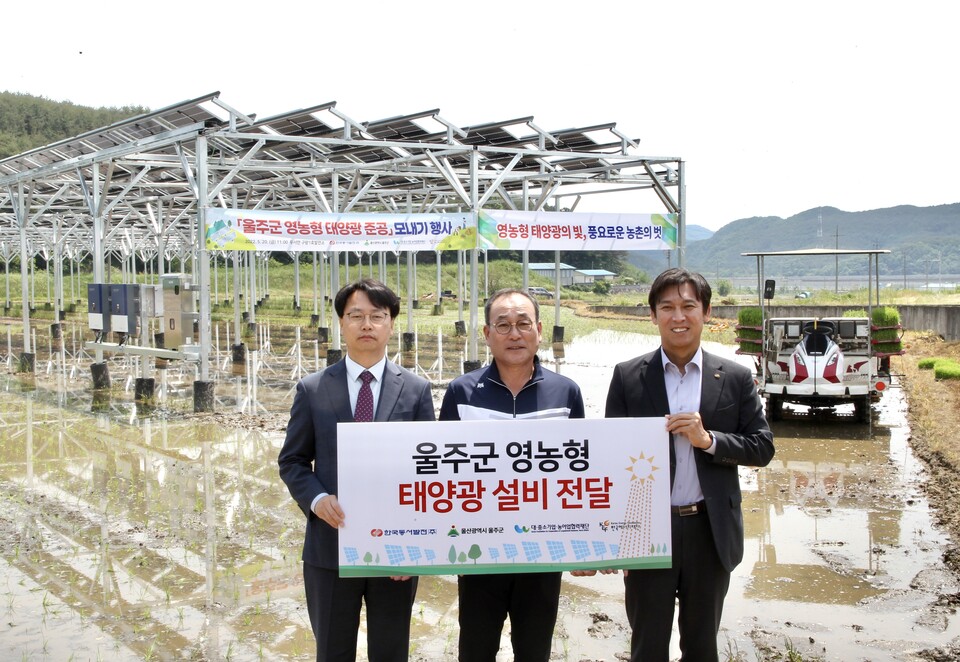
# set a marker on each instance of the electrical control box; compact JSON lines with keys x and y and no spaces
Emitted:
{"x":125,"y":309}
{"x":98,"y":307}
{"x":179,"y":310}
{"x":151,"y":301}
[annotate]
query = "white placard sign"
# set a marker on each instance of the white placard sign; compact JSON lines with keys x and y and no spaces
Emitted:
{"x":454,"y":497}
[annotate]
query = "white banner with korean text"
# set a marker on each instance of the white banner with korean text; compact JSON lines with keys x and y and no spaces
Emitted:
{"x":565,"y":231}
{"x":503,"y":496}
{"x":270,"y":230}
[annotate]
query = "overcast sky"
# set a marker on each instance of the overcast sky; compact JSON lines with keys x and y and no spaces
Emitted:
{"x":775,"y":107}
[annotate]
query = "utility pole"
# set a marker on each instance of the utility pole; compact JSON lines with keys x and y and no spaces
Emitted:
{"x":836,"y":263}
{"x":939,"y":269}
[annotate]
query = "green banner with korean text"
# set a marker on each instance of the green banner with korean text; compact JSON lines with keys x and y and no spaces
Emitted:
{"x":570,"y":231}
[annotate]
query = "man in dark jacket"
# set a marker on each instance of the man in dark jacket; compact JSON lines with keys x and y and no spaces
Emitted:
{"x":365,"y":386}
{"x":716,"y":424}
{"x":514,"y":386}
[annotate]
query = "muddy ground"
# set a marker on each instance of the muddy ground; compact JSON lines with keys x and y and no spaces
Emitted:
{"x":875,"y":580}
{"x":934,"y":417}
{"x":593,"y":625}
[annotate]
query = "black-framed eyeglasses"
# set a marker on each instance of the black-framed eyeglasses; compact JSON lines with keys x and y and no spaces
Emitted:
{"x":376,"y":318}
{"x":523,"y":326}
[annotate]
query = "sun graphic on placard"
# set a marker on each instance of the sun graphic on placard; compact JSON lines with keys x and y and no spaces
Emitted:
{"x":641,"y":468}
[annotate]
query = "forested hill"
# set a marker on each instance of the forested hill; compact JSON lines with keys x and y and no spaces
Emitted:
{"x":917,"y":237}
{"x":27,"y":121}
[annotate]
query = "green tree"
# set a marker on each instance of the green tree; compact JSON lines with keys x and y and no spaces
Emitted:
{"x":601,"y":287}
{"x":474,"y":552}
{"x":28,"y":122}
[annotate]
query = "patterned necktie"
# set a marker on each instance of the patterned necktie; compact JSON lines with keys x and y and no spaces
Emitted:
{"x":364,"y":410}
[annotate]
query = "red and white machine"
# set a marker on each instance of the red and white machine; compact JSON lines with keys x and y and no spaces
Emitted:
{"x":819,"y":363}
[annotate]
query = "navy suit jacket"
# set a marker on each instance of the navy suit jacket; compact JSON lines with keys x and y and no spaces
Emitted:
{"x":731,"y":409}
{"x":308,"y":459}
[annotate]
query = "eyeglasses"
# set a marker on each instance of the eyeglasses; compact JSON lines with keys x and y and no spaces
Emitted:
{"x":523,"y":326}
{"x":376,"y":318}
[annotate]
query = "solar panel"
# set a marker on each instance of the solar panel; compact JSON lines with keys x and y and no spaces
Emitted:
{"x":148,"y":164}
{"x":581,"y":549}
{"x":531,"y":550}
{"x":556,"y":549}
{"x":394,"y":554}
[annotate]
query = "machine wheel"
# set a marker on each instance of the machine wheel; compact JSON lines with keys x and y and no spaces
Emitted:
{"x":861,"y":409}
{"x":775,"y":407}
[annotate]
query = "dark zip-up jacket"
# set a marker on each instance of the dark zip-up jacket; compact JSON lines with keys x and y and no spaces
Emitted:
{"x":482,"y":395}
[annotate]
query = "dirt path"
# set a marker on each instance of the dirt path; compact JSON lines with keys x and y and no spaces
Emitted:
{"x":934,"y":416}
{"x":817,"y":537}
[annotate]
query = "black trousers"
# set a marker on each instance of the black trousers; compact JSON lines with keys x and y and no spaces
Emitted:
{"x":334,"y":603}
{"x":697,"y":580}
{"x":531,"y":600}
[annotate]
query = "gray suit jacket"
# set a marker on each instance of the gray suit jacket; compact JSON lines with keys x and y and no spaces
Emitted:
{"x":308,"y":459}
{"x":731,"y":409}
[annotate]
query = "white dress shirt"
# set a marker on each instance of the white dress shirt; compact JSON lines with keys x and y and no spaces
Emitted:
{"x":683,"y":396}
{"x":354,"y":370}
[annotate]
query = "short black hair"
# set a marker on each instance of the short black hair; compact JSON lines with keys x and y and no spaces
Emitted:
{"x":507,"y":291}
{"x":677,"y":277}
{"x":379,"y":294}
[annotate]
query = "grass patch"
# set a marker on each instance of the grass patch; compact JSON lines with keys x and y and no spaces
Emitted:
{"x":946,"y":370}
{"x":750,"y":316}
{"x":886,"y":316}
{"x":886,"y":330}
{"x":749,"y":331}
{"x":943,"y":368}
{"x":933,"y":413}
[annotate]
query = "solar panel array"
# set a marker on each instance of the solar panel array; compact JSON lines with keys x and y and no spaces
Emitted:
{"x":139,"y":176}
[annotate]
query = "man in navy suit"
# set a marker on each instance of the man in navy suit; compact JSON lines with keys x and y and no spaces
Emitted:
{"x":716,"y":423}
{"x":364,"y":386}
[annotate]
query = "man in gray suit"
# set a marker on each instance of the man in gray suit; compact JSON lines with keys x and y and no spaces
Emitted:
{"x":364,"y":386}
{"x":716,"y":423}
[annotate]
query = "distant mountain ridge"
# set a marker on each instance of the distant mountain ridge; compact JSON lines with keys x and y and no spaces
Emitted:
{"x":698,"y":233}
{"x":920,"y":240}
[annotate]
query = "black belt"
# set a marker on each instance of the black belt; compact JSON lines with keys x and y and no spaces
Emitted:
{"x":690,"y":509}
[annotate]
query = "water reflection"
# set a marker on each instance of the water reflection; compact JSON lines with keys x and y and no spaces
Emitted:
{"x":169,"y":536}
{"x":146,"y":532}
{"x":826,"y":523}
{"x":261,"y":382}
{"x":815,"y":489}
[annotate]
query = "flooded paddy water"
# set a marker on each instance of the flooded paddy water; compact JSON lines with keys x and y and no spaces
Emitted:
{"x":160,"y":534}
